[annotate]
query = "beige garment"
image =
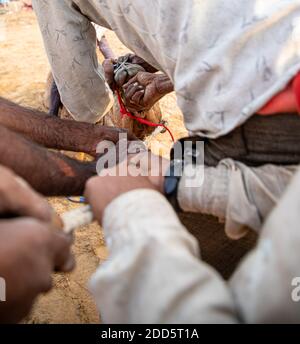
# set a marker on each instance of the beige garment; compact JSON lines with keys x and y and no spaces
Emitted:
{"x":70,"y":42}
{"x":155,"y":275}
{"x":238,"y":195}
{"x":225,"y":58}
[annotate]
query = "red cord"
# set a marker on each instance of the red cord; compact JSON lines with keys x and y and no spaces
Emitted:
{"x":125,"y":112}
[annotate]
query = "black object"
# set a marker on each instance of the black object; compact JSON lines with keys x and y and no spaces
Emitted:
{"x":171,"y":184}
{"x":183,"y":152}
{"x":55,"y":100}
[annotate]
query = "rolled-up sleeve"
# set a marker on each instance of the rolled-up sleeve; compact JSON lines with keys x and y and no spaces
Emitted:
{"x":70,"y":42}
{"x":154,"y":273}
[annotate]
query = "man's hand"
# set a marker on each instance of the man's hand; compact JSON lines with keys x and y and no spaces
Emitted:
{"x":104,"y":133}
{"x":145,"y":89}
{"x":30,"y":248}
{"x":101,"y":191}
{"x":108,"y":67}
{"x":109,"y":72}
{"x":30,"y":251}
{"x":18,"y":199}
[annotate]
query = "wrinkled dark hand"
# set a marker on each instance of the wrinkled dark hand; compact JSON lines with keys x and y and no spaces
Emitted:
{"x":108,"y":66}
{"x":144,"y":90}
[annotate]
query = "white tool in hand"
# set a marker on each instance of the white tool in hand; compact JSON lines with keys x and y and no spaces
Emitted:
{"x":76,"y":218}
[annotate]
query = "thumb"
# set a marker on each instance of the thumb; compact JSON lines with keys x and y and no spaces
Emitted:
{"x":108,"y":67}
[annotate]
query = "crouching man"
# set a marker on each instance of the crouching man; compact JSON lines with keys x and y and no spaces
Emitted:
{"x":154,"y":273}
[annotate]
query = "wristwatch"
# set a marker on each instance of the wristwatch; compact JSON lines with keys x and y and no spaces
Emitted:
{"x":181,"y":154}
{"x":171,"y":184}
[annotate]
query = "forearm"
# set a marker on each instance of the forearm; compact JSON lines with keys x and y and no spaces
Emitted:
{"x":154,"y":265}
{"x":105,"y":49}
{"x":50,"y":131}
{"x":239,"y":195}
{"x":52,"y":174}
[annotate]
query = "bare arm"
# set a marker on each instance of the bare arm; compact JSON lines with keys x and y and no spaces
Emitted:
{"x":52,"y":174}
{"x":106,"y":49}
{"x":53,"y":132}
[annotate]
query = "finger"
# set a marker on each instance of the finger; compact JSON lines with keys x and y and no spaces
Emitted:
{"x":91,"y":193}
{"x":121,"y":78}
{"x":88,"y":189}
{"x":137,"y":60}
{"x":19,"y":199}
{"x":136,"y":98}
{"x":108,"y":67}
{"x":31,"y":204}
{"x":46,"y":282}
{"x":113,"y":134}
{"x":132,"y":90}
{"x":61,"y":250}
{"x":69,"y":265}
{"x":130,"y":82}
{"x":130,"y":57}
{"x":135,"y":109}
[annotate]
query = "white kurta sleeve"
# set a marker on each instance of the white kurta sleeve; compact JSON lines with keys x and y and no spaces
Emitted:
{"x":154,"y":273}
{"x":266,"y":285}
{"x":70,"y":42}
{"x":239,"y":195}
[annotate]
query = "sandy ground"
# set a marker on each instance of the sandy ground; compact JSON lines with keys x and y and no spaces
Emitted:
{"x":23,"y":72}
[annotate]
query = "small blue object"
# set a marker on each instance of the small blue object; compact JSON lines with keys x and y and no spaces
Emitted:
{"x":81,"y":199}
